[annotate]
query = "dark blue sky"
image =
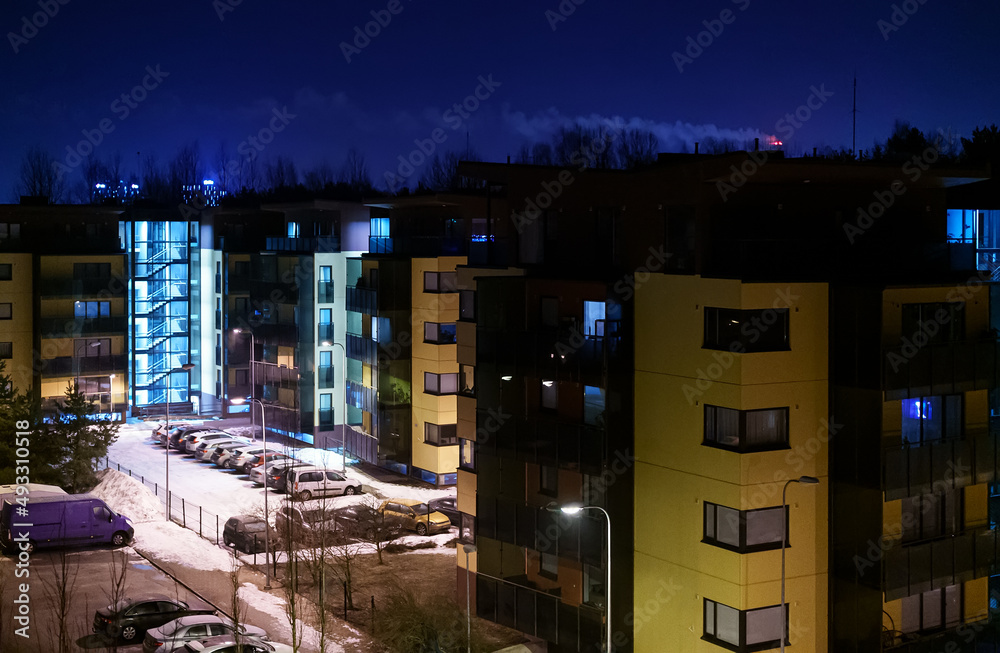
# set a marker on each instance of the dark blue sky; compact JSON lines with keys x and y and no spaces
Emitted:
{"x":606,"y":59}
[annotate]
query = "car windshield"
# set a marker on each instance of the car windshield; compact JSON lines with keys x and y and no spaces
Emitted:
{"x":255,"y":527}
{"x":421,"y":508}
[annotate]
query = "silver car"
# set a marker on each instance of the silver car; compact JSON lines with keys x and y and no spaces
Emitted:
{"x":173,"y":635}
{"x":191,"y":444}
{"x":226,"y":644}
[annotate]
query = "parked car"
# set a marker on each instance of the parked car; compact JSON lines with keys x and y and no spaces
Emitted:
{"x":227,"y":644}
{"x":260,"y":459}
{"x":259,"y":473}
{"x":160,"y":430}
{"x":233,"y":460}
{"x":305,"y":483}
{"x":225,"y":450}
{"x":192,"y":440}
{"x":245,"y":532}
{"x":62,"y":520}
{"x":175,"y":634}
{"x":305,"y":525}
{"x":278,"y":478}
{"x":415,"y":515}
{"x":129,"y":619}
{"x":177,"y":436}
{"x":447,"y":506}
{"x":204,"y":450}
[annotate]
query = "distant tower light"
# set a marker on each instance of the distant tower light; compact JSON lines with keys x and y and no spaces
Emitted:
{"x":208,"y":182}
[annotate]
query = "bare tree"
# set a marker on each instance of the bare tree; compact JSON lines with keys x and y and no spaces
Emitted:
{"x":320,"y":178}
{"x":59,"y":590}
{"x":280,"y":173}
{"x":354,"y":172}
{"x":541,"y":154}
{"x":155,"y":181}
{"x":115,"y":590}
{"x":40,"y":176}
{"x":374,"y":528}
{"x":185,"y":167}
{"x":222,"y":165}
{"x":637,"y":147}
{"x":238,"y":605}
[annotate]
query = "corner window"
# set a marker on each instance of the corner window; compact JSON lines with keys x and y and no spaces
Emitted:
{"x":467,"y":379}
{"x":439,"y":334}
{"x":440,"y":384}
{"x":746,"y":331}
{"x":933,"y":610}
{"x":440,"y":435}
{"x":440,"y":282}
{"x":550,"y":395}
{"x":746,"y":430}
{"x":743,"y":531}
{"x":743,"y":630}
{"x":6,"y":311}
{"x":6,"y":350}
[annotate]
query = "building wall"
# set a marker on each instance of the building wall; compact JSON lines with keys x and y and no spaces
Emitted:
{"x":19,"y":330}
{"x":675,"y":474}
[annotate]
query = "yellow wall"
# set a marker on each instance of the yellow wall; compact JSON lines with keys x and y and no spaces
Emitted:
{"x":19,"y":330}
{"x":675,"y":474}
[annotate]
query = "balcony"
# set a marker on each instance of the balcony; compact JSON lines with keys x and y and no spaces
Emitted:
{"x":362,"y":300}
{"x":362,"y":349}
{"x":562,"y":354}
{"x":911,"y":371}
{"x":325,"y":292}
{"x":546,"y":441}
{"x":326,"y":417}
{"x":937,"y":563}
{"x":910,"y":471}
{"x":537,"y":613}
{"x":67,"y":365}
{"x":308,"y":244}
{"x":324,"y":333}
{"x":420,"y":246}
{"x":69,"y":326}
{"x":82,"y":288}
{"x":325,"y":377}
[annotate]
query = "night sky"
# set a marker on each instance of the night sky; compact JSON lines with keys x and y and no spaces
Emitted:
{"x":225,"y":69}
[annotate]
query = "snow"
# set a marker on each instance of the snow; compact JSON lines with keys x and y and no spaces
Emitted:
{"x":128,"y":496}
{"x":275,"y":606}
{"x":173,"y":543}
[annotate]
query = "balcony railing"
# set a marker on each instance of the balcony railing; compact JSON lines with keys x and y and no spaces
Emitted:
{"x":325,"y":292}
{"x":362,"y":300}
{"x":910,"y":471}
{"x":938,"y":369}
{"x":67,"y":365}
{"x":83,"y":287}
{"x":306,"y":244}
{"x":959,"y":558}
{"x":324,"y":332}
{"x":57,"y":327}
{"x":362,"y":349}
{"x":325,"y":377}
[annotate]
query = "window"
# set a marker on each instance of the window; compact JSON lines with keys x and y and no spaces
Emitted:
{"x":5,"y":272}
{"x":326,"y":316}
{"x":736,"y":630}
{"x":440,"y":435}
{"x":440,"y":282}
{"x":5,"y":311}
{"x":550,"y":395}
{"x":548,"y":565}
{"x":326,"y":273}
{"x":467,"y":305}
{"x":90,"y":310}
{"x":467,"y":379}
{"x":91,"y":347}
{"x":593,"y":319}
{"x":242,"y":377}
{"x":937,"y":322}
{"x":91,"y":270}
{"x":467,"y":455}
{"x":6,"y":350}
{"x":548,"y":480}
{"x":930,"y":516}
{"x":440,"y":384}
{"x":743,"y":531}
{"x":593,"y":405}
{"x":746,"y":331}
{"x":439,"y":334}
{"x":929,"y":419}
{"x":746,"y":430}
{"x":467,"y":532}
{"x":293,"y":229}
{"x":379,"y":227}
{"x":326,"y":358}
{"x":933,"y":610}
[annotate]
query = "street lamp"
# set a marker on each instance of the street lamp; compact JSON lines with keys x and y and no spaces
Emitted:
{"x":468,"y":548}
{"x":576,"y":509}
{"x":343,"y":415}
{"x":253,"y":386}
{"x":805,"y":480}
{"x":183,"y":368}
{"x":111,"y":383}
{"x":267,"y":524}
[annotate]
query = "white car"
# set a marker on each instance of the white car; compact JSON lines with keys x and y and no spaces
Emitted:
{"x":237,"y":460}
{"x":173,"y":635}
{"x":204,"y":436}
{"x":306,"y":482}
{"x":227,"y":644}
{"x":205,"y":450}
{"x":227,"y":459}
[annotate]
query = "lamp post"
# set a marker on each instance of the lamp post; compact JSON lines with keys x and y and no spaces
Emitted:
{"x":468,"y":548}
{"x":253,"y":386}
{"x":805,"y":480}
{"x":267,"y":523}
{"x":343,"y":415}
{"x":183,"y":368}
{"x":576,"y":509}
{"x":111,"y":384}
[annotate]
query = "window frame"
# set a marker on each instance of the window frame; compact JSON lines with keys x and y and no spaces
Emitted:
{"x":717,"y":338}
{"x":445,"y":282}
{"x":466,"y":313}
{"x":437,"y":328}
{"x":437,"y":384}
{"x":8,"y":308}
{"x":438,"y":434}
{"x":6,"y":271}
{"x":465,"y":445}
{"x":741,"y":446}
{"x":743,"y":516}
{"x":742,"y":645}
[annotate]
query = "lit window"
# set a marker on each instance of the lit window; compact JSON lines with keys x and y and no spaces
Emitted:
{"x":744,"y":531}
{"x":746,"y":430}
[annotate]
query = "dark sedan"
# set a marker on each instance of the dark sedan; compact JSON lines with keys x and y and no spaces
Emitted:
{"x":447,"y":507}
{"x":129,"y":619}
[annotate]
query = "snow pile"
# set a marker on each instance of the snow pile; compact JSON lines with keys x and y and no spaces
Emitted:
{"x":128,"y":496}
{"x":170,"y":542}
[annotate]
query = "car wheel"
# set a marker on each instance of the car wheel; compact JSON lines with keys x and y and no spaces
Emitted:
{"x":305,"y":495}
{"x":421,"y":529}
{"x":128,"y":633}
{"x":350,"y":490}
{"x":226,"y":540}
{"x":120,"y":538}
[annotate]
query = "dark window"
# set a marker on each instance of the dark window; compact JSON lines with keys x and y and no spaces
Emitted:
{"x":90,"y":310}
{"x":467,"y":305}
{"x":743,"y":630}
{"x":440,"y":384}
{"x":439,"y":334}
{"x":934,"y":610}
{"x":550,"y":395}
{"x":549,"y":311}
{"x":548,"y":565}
{"x":930,"y":516}
{"x":5,"y":272}
{"x":440,"y":434}
{"x":938,"y":322}
{"x":929,"y":419}
{"x":746,"y":331}
{"x":6,"y":311}
{"x":548,"y":480}
{"x":440,"y":282}
{"x":744,"y":531}
{"x":91,"y":270}
{"x":242,"y":377}
{"x":746,"y":430}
